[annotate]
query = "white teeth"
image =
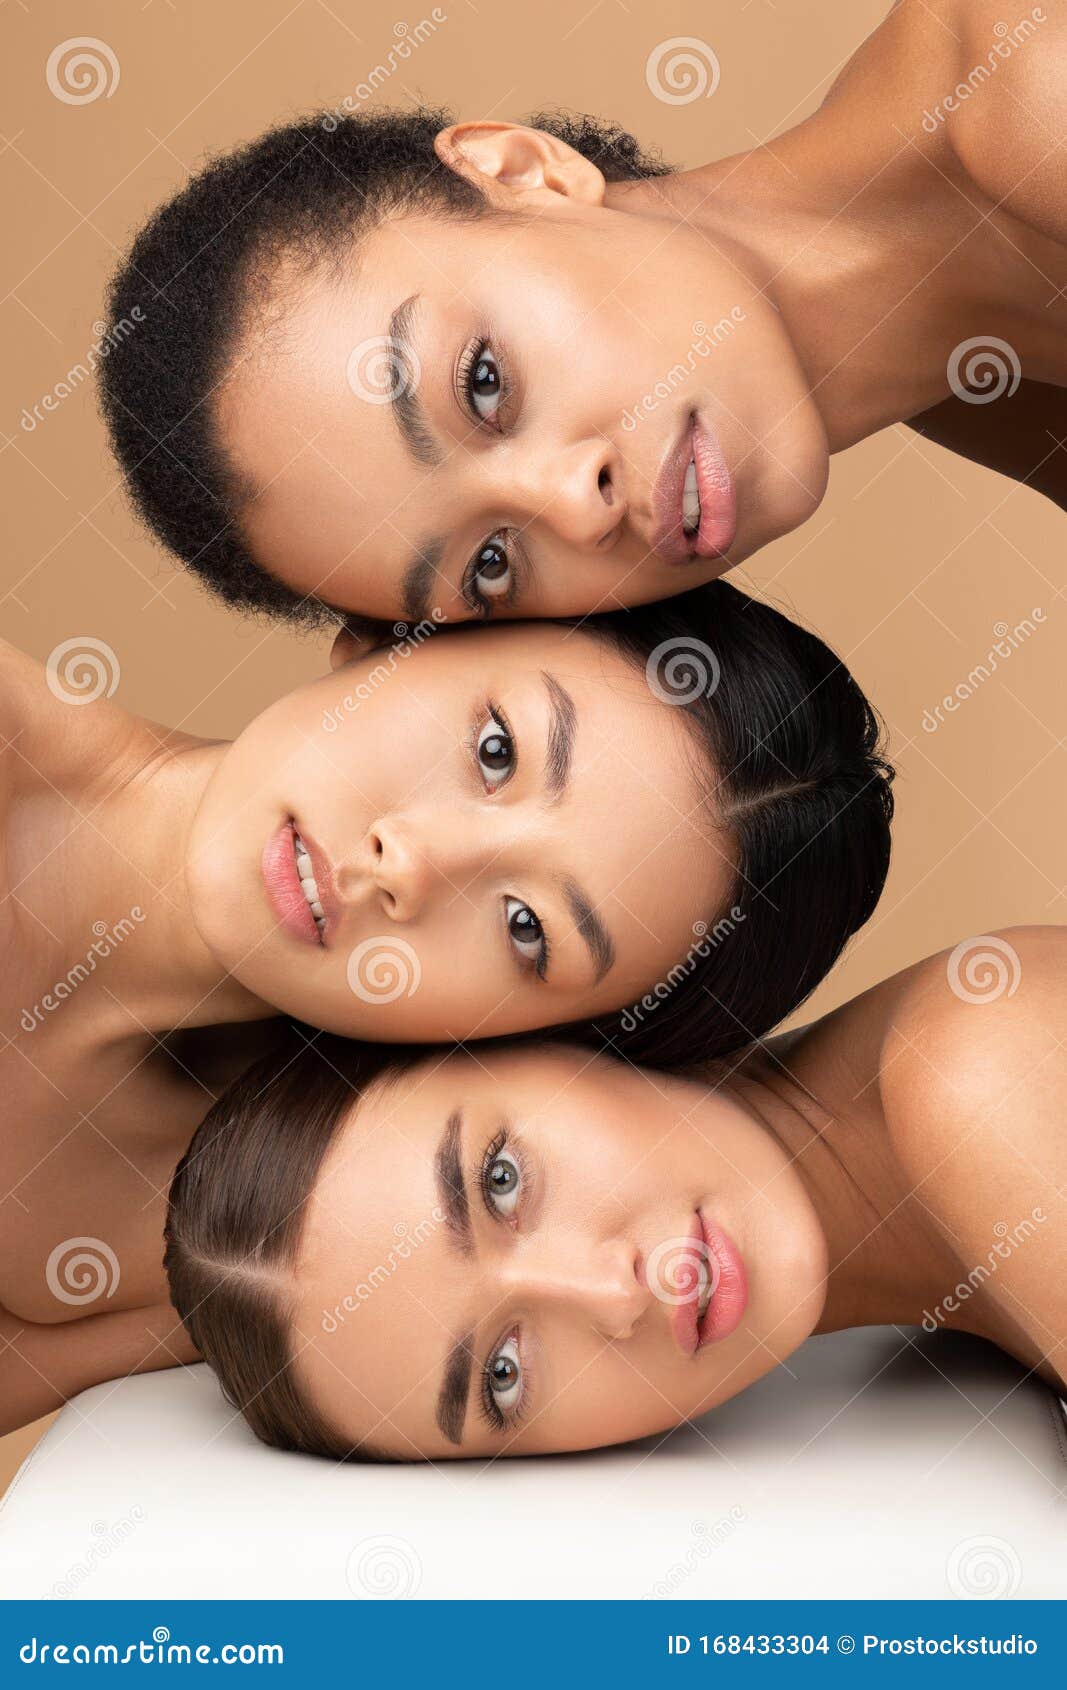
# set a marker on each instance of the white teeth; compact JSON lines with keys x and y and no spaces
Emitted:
{"x":307,"y":882}
{"x":704,"y":1293}
{"x":690,"y":500}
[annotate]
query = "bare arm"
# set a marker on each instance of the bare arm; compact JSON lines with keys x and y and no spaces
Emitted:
{"x":41,"y":1367}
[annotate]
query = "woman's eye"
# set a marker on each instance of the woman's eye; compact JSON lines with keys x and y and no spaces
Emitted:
{"x":504,"y":1377}
{"x":496,"y":753}
{"x":489,"y":574}
{"x":501,"y":1182}
{"x":483,"y":383}
{"x":526,"y":932}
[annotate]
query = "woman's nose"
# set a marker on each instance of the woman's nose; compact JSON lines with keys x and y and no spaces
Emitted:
{"x":601,"y":1282}
{"x":411,"y":862}
{"x":576,"y":491}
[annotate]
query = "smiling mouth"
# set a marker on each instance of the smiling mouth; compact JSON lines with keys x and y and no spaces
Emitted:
{"x":305,"y":875}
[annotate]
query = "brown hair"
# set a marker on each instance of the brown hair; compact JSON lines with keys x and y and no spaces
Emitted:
{"x":235,"y":1220}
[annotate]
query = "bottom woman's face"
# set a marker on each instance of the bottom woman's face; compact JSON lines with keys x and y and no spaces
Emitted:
{"x":531,"y":1251}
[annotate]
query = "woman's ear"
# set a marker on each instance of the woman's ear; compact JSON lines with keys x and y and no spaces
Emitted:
{"x":509,"y":159}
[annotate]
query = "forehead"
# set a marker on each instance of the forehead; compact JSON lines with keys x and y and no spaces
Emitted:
{"x":383,"y":1292}
{"x":380,"y":1283}
{"x":305,"y":419}
{"x":630,"y":748}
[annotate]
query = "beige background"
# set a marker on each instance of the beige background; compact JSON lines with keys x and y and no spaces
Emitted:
{"x":906,"y":568}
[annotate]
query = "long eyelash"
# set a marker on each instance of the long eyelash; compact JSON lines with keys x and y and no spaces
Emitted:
{"x":541,"y":965}
{"x":481,"y":715}
{"x":477,"y":601}
{"x":490,"y":1409}
{"x":464,"y":369}
{"x":493,"y":710}
{"x":492,"y":1151}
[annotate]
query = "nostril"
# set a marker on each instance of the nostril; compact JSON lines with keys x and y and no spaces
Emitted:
{"x":603,"y":482}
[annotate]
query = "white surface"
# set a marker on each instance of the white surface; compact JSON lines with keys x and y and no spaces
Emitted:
{"x":883,"y":1468}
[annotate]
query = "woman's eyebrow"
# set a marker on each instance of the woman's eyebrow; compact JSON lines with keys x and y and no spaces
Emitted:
{"x":404,"y":402}
{"x":451,"y":1407}
{"x":416,"y":587}
{"x":559,"y":754}
{"x":562,"y":727}
{"x":451,"y":1410}
{"x":451,"y":1185}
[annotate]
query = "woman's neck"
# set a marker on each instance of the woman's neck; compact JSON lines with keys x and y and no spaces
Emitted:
{"x":887,"y":1262}
{"x":815,"y":220}
{"x":98,"y":818}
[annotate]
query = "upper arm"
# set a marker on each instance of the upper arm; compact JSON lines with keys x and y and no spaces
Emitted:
{"x":1018,"y":436}
{"x":974,"y":1085}
{"x":42,"y":1367}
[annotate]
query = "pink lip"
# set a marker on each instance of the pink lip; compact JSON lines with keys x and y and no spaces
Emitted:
{"x":718,"y":501}
{"x":282,"y":885}
{"x":730,"y":1295}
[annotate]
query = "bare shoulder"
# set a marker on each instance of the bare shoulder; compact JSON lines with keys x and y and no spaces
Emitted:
{"x":981,"y":1030}
{"x":1003,"y":113}
{"x":973,"y":1078}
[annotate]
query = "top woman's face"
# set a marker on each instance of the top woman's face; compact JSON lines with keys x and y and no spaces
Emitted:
{"x":483,"y":833}
{"x":534,"y":1251}
{"x":496,"y":418}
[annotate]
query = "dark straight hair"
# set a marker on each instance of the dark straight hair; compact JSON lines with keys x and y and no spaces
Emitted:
{"x":795,"y":779}
{"x":235,"y":1219}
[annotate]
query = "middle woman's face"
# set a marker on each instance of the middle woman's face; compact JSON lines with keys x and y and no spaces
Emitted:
{"x":500,"y":830}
